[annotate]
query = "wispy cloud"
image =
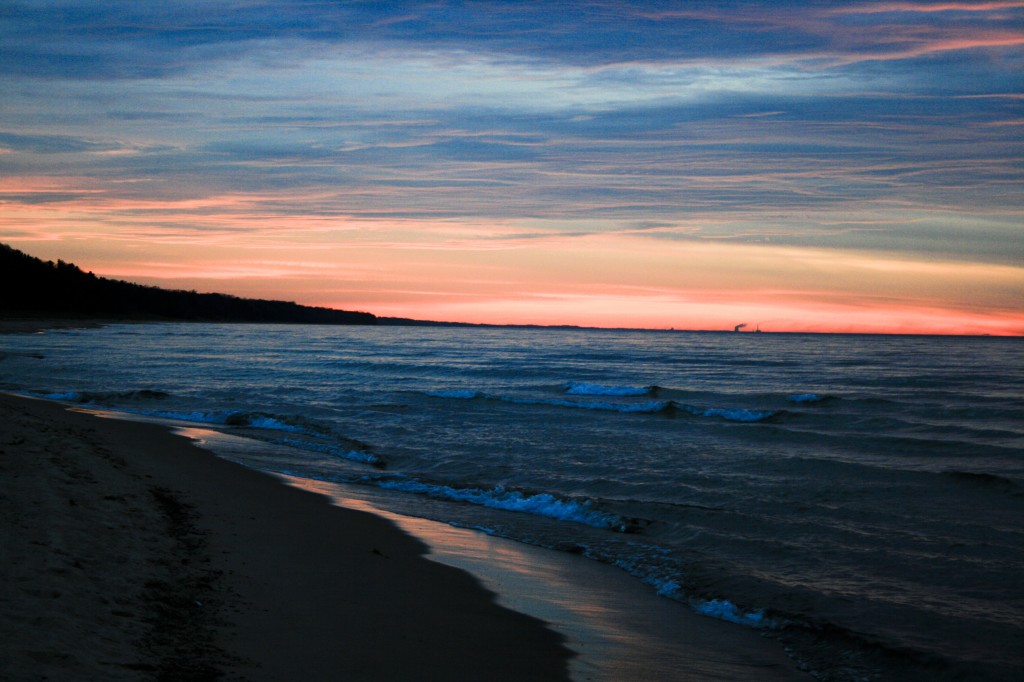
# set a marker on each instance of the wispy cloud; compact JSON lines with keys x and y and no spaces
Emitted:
{"x":889,"y":128}
{"x":925,"y":7}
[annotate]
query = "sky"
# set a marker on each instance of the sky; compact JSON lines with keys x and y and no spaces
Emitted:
{"x":849,"y":166}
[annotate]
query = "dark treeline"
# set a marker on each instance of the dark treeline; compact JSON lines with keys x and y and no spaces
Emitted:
{"x":32,"y":287}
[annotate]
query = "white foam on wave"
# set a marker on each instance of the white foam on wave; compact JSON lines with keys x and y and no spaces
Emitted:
{"x":272,"y":424}
{"x":724,"y":609}
{"x":541,"y":504}
{"x":648,"y":407}
{"x":461,"y":394}
{"x":197,"y":416}
{"x":327,"y":449}
{"x":66,"y":396}
{"x":734,"y":414}
{"x":235,"y":418}
{"x":668,"y":588}
{"x":583,"y":388}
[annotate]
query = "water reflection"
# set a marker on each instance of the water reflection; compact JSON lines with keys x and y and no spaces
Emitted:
{"x":620,"y":629}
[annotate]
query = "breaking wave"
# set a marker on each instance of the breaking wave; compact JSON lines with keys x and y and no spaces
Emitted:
{"x":264,"y":421}
{"x":583,"y":388}
{"x":647,"y":407}
{"x":456,"y":394}
{"x":802,"y":398}
{"x":723,"y":609}
{"x":240,"y":419}
{"x":102,"y":397}
{"x":335,"y":450}
{"x":733,"y":414}
{"x":539,"y":504}
{"x":622,"y":407}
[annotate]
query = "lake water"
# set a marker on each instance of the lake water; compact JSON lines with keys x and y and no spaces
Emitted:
{"x":859,"y":497}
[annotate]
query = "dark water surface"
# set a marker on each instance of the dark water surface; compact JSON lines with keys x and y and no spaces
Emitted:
{"x":860,"y":497}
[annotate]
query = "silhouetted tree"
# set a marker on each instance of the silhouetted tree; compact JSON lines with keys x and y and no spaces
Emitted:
{"x":29,"y":286}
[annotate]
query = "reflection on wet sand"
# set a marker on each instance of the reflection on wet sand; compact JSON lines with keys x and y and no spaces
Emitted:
{"x":619,"y":627}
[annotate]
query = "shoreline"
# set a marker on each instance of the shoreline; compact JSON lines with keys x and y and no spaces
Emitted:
{"x":133,"y":554}
{"x":178,"y":563}
{"x":620,"y":628}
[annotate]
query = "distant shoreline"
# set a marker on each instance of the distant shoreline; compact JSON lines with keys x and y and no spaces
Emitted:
{"x":33,"y":325}
{"x":30,"y":324}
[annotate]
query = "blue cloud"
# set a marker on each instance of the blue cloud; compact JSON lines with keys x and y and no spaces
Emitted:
{"x":51,"y":144}
{"x":113,"y":38}
{"x":649,"y":113}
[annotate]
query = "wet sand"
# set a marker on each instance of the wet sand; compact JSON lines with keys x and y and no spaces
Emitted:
{"x":621,"y":629}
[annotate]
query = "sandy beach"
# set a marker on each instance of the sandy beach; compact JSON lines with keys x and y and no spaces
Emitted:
{"x":129,"y":553}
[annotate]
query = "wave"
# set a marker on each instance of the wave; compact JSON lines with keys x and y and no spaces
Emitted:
{"x":67,"y":396}
{"x":723,"y":609}
{"x":648,"y":407}
{"x":273,"y":422}
{"x":734,"y":414}
{"x":260,"y":421}
{"x":335,"y":450}
{"x":102,"y":397}
{"x":12,"y":354}
{"x":803,"y":398}
{"x":237,"y":418}
{"x":458,"y":394}
{"x":656,"y":568}
{"x":583,"y":388}
{"x":986,"y":481}
{"x":539,"y":504}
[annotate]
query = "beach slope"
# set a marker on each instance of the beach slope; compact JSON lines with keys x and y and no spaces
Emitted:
{"x":128,"y":553}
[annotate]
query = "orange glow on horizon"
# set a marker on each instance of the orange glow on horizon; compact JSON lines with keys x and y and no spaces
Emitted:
{"x":768,"y":316}
{"x":597,"y":281}
{"x":508,"y":273}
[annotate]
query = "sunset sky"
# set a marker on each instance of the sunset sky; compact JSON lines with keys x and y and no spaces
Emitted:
{"x":827,"y":166}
